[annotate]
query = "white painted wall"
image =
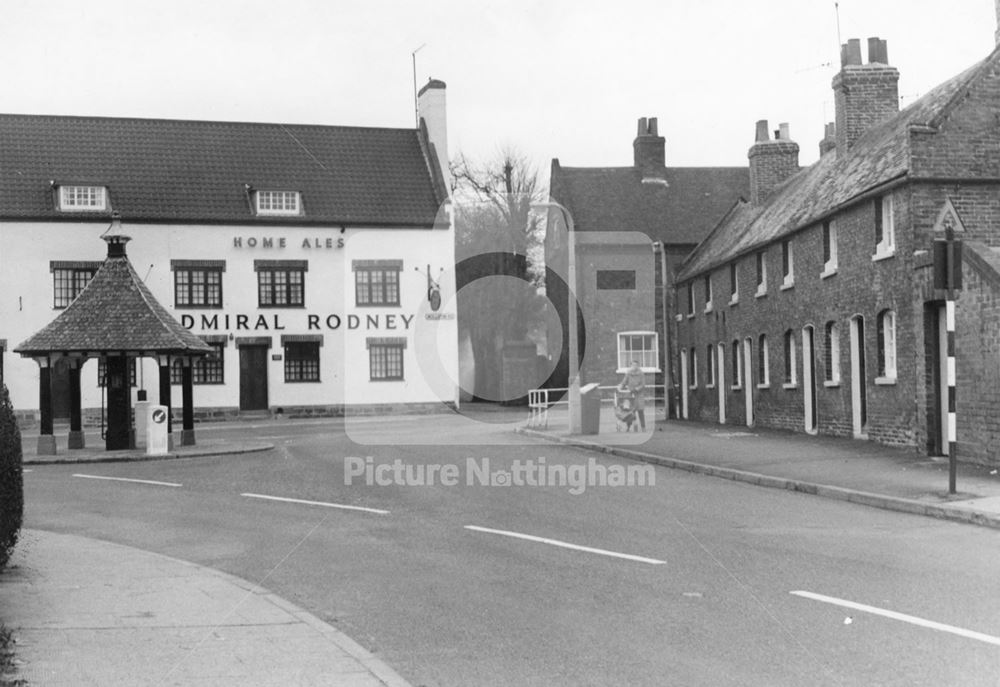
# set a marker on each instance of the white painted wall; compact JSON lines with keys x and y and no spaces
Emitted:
{"x":26,"y":300}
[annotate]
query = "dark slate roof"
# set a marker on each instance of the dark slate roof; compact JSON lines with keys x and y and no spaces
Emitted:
{"x":682,"y":211}
{"x":878,"y":157}
{"x":115,"y":312}
{"x":196,"y":171}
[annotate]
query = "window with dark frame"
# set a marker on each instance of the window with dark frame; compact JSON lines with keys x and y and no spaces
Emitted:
{"x":102,"y":371}
{"x":376,"y":282}
{"x":209,"y":369}
{"x":761,"y":272}
{"x":280,"y":283}
{"x":301,"y":361}
{"x":708,"y":290}
{"x":690,"y":297}
{"x":385,"y":359}
{"x":69,"y":279}
{"x":198,"y":283}
{"x":733,"y":282}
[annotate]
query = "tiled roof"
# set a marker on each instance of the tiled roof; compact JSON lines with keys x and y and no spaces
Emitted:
{"x":880,"y":156}
{"x":115,"y":312}
{"x":682,"y":211}
{"x":196,"y":171}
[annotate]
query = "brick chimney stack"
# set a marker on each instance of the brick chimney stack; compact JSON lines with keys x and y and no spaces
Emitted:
{"x":649,"y":150}
{"x":771,"y":161}
{"x":865,"y":94}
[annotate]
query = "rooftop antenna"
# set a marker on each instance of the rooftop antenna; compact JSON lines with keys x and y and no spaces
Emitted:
{"x":836,"y":9}
{"x":416,"y":112}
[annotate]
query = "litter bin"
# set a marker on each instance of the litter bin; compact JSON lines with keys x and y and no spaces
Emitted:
{"x":590,"y":409}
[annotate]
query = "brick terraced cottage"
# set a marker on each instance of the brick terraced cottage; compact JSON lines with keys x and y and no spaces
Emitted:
{"x":634,"y":227}
{"x":305,"y":256}
{"x":812,"y":306}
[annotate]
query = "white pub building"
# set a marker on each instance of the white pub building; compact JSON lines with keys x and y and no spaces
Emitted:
{"x":316,"y":261}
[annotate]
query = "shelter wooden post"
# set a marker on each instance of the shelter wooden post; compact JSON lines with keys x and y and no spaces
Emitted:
{"x":76,"y":436}
{"x":187,"y":402}
{"x":46,"y":440}
{"x":164,"y":361}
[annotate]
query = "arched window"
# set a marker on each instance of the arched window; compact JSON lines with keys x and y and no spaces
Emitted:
{"x":763,"y":362}
{"x":831,"y":350}
{"x":709,"y":367}
{"x":887,"y":344}
{"x":791,"y":368}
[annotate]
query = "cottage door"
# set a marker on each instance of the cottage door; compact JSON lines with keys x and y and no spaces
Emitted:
{"x":253,"y":377}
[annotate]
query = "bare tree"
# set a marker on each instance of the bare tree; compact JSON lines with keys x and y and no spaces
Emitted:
{"x":497,"y":233}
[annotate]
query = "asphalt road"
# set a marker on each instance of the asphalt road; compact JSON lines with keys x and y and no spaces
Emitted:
{"x":691,"y":584}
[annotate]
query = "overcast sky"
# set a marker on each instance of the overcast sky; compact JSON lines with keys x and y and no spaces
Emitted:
{"x":566,"y":78}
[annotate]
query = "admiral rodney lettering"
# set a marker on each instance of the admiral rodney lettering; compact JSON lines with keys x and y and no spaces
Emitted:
{"x":273,"y":322}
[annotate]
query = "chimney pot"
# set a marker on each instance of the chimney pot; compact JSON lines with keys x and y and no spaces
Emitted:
{"x":762,"y":134}
{"x":850,"y":52}
{"x":783,"y":132}
{"x":878,"y":52}
{"x":649,"y":150}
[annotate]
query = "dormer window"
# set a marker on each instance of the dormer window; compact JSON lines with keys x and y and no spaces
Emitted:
{"x":83,"y":198}
{"x":278,"y":202}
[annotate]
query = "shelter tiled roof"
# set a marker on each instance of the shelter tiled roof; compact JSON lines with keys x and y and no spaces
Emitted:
{"x":115,"y":312}
{"x":197,"y":171}
{"x":681,"y":211}
{"x":878,"y":157}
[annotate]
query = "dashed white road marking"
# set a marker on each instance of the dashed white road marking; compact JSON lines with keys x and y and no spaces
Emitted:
{"x":126,"y":479}
{"x":566,"y":545}
{"x":377,"y":511}
{"x":913,"y":620}
{"x":23,"y":470}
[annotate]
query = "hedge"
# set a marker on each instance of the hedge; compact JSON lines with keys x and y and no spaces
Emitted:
{"x":11,"y":484}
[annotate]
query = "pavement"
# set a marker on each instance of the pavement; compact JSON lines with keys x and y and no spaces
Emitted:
{"x":94,"y":451}
{"x":859,"y":471}
{"x":88,"y":612}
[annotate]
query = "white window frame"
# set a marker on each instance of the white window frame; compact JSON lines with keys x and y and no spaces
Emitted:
{"x":887,"y":327}
{"x":710,"y":367}
{"x":833,"y":350}
{"x":791,"y":359}
{"x":277,"y":203}
{"x":761,"y":261}
{"x":738,"y":369}
{"x":886,"y":246}
{"x":693,"y":372}
{"x":83,"y":198}
{"x":764,"y":361}
{"x":830,"y":266}
{"x":654,"y":353}
{"x":788,"y":280}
